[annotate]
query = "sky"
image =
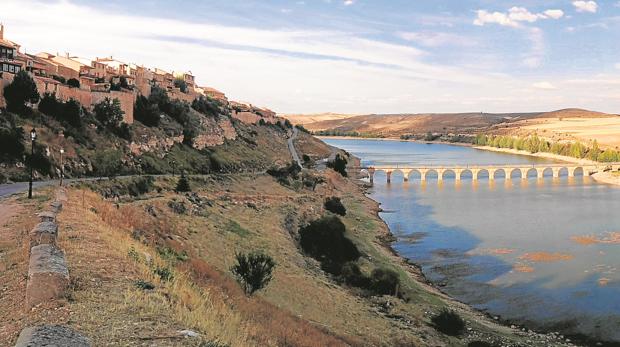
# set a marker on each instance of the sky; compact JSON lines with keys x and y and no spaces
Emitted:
{"x":352,"y":56}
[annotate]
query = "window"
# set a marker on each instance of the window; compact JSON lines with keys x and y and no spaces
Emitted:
{"x":17,"y":68}
{"x":5,"y":67}
{"x":11,"y":68}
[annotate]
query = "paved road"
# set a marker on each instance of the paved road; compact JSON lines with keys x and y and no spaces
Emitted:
{"x":14,"y":188}
{"x":291,"y":147}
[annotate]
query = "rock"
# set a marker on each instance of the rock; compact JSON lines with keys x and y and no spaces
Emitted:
{"x":47,"y":216}
{"x":56,"y":206}
{"x":48,"y":276}
{"x":44,"y":233}
{"x":189,"y":333}
{"x":51,"y":335}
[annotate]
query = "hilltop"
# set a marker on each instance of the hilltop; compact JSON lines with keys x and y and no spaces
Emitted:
{"x":585,"y":124}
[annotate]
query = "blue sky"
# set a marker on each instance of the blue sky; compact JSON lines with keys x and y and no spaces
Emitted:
{"x":353,"y":56}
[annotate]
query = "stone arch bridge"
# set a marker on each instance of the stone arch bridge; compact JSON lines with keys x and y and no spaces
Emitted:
{"x":524,"y":171}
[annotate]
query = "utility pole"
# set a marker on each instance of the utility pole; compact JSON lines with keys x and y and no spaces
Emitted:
{"x":62,"y":166}
{"x":33,"y":137}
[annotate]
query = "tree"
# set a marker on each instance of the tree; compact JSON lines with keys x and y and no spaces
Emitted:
{"x":181,"y":84}
{"x":49,"y":105}
{"x":21,"y":91}
{"x":146,"y":112}
{"x":109,"y":113}
{"x":339,"y":164}
{"x":594,"y":152}
{"x":253,"y":271}
{"x":206,"y":106}
{"x":74,"y":83}
{"x":577,"y":150}
{"x":72,"y":113}
{"x":183,"y":184}
{"x":334,"y":205}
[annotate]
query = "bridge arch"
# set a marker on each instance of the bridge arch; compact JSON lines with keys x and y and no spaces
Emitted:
{"x":431,"y":173}
{"x":546,"y":172}
{"x":483,"y":173}
{"x":414,"y":174}
{"x":532,"y":172}
{"x":466,"y":173}
{"x":450,"y":174}
{"x":510,"y":173}
{"x":503,"y":174}
{"x":578,"y":171}
{"x":562,"y":171}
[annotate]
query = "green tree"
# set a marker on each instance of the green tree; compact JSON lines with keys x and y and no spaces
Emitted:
{"x":594,"y":152}
{"x":22,"y":90}
{"x":253,"y":271}
{"x":577,"y":150}
{"x":339,"y":164}
{"x":72,"y":113}
{"x":109,"y":113}
{"x":181,"y":84}
{"x":146,"y":112}
{"x":183,"y":184}
{"x":74,"y":83}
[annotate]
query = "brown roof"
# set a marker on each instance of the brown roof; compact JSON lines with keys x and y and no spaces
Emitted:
{"x":7,"y":43}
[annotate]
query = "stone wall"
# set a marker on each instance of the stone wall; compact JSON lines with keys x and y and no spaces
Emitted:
{"x":127,"y":100}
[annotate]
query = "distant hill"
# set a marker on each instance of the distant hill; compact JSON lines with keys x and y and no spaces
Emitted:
{"x":314,"y":118}
{"x":396,"y":125}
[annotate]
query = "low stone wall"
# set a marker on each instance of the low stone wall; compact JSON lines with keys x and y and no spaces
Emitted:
{"x":51,"y":335}
{"x":48,"y":280}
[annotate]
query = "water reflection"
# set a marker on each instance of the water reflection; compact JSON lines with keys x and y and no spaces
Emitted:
{"x":545,"y":250}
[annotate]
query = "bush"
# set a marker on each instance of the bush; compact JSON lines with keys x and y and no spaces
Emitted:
{"x":74,"y":83}
{"x":11,"y":145}
{"x":351,"y":274}
{"x":181,"y":84}
{"x":164,"y":273}
{"x":19,"y":92}
{"x":339,"y":164}
{"x":324,"y":239}
{"x":144,"y":285}
{"x":107,"y":163}
{"x":384,"y":282}
{"x":334,"y":205}
{"x":283,"y":173}
{"x":449,"y":323}
{"x":253,"y":271}
{"x":140,"y":185}
{"x":206,"y":106}
{"x":480,"y":344}
{"x":69,"y":112}
{"x":183,"y":185}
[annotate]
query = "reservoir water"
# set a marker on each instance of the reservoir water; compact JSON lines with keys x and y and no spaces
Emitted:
{"x":540,"y":252}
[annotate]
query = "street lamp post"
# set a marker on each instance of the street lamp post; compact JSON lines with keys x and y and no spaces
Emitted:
{"x":62,"y":166}
{"x":33,"y":137}
{"x":173,"y":165}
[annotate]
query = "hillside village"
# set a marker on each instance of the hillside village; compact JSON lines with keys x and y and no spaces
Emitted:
{"x":90,"y":81}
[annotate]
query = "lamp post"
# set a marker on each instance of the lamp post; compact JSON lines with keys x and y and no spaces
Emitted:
{"x":62,"y":166}
{"x":33,"y":137}
{"x":173,"y":165}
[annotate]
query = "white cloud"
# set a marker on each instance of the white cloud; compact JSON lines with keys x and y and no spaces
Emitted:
{"x":617,"y":66}
{"x":544,"y":85}
{"x":436,"y":39}
{"x":586,"y":6}
{"x":349,"y":2}
{"x":554,"y":14}
{"x":514,"y":16}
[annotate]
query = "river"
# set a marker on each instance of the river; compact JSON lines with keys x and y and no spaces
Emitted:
{"x":543,"y":253}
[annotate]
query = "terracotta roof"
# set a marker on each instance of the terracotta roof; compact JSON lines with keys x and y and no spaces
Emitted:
{"x":7,"y":43}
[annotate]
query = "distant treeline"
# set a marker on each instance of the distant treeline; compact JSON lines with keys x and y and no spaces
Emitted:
{"x":333,"y":132}
{"x":535,"y":144}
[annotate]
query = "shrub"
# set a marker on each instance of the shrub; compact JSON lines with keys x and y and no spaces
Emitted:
{"x":253,"y":271}
{"x":74,"y":83}
{"x":480,"y":344}
{"x":164,"y":273}
{"x":206,"y":106}
{"x":183,"y":185}
{"x":19,"y":92}
{"x":339,"y":164}
{"x":449,"y":323}
{"x":140,"y":185}
{"x":11,"y":145}
{"x":144,"y":285}
{"x":69,"y":112}
{"x":334,"y":205}
{"x":107,"y":163}
{"x":351,"y":274}
{"x":181,"y":84}
{"x":324,"y":239}
{"x":177,"y":207}
{"x":384,"y":281}
{"x":283,"y":173}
